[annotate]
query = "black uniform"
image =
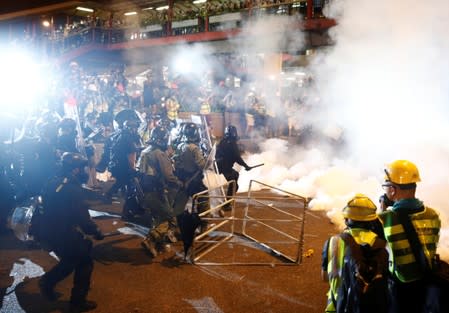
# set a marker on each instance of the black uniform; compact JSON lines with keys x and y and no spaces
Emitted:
{"x":65,"y":223}
{"x":227,"y":154}
{"x":160,"y":187}
{"x":7,"y":200}
{"x":125,"y":143}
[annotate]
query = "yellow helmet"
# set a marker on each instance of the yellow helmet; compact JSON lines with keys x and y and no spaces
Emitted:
{"x":360,"y":208}
{"x":402,"y":172}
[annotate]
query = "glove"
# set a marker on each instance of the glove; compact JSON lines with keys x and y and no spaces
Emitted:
{"x":98,"y":235}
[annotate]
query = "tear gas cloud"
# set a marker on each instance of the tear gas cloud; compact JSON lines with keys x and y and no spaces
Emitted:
{"x":385,"y":83}
{"x":260,"y":38}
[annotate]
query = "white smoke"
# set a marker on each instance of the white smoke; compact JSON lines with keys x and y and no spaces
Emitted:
{"x":386,"y":82}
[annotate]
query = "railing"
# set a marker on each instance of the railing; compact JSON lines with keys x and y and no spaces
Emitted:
{"x":221,"y":22}
{"x":264,"y":228}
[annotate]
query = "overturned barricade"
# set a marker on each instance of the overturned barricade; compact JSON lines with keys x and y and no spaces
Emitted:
{"x":264,"y":228}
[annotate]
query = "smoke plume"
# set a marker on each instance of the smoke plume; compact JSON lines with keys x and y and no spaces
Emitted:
{"x":385,"y":83}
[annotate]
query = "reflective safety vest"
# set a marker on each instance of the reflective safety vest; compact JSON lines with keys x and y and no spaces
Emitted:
{"x":402,"y":260}
{"x":205,"y":107}
{"x":335,"y":258}
{"x":172,"y":107}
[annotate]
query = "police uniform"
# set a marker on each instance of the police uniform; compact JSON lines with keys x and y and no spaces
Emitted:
{"x":125,"y":145}
{"x":7,"y":202}
{"x":190,"y":163}
{"x":160,"y":186}
{"x":189,"y":166}
{"x":227,"y":154}
{"x":64,"y":224}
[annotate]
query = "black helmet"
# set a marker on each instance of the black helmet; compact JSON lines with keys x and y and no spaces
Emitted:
{"x":159,"y":137}
{"x":230,"y":133}
{"x":47,"y":130}
{"x":67,"y":126}
{"x":126,"y":115}
{"x":105,"y":118}
{"x":131,"y":125}
{"x":72,"y":160}
{"x":191,"y":133}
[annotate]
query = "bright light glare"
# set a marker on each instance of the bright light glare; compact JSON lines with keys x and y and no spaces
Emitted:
{"x":85,"y":9}
{"x":21,"y":81}
{"x":199,"y":1}
{"x":130,"y":13}
{"x":46,"y":23}
{"x":165,"y":7}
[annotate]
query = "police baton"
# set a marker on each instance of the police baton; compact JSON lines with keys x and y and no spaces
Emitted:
{"x":258,"y":165}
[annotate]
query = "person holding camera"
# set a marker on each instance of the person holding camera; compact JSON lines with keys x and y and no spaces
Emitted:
{"x":412,"y":232}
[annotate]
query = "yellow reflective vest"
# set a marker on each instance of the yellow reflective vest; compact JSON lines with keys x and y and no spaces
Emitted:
{"x":335,"y":257}
{"x":402,"y":260}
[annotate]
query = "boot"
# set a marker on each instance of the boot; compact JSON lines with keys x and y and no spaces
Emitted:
{"x":47,"y":291}
{"x":170,"y":235}
{"x":82,"y":306}
{"x":149,"y":245}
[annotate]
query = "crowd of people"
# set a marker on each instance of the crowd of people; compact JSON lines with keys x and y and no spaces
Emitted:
{"x":54,"y":160}
{"x":384,"y":262}
{"x":157,"y":161}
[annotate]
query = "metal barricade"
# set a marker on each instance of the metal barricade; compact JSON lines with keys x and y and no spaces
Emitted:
{"x":264,"y":228}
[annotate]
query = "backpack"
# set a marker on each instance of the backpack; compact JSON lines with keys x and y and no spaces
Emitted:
{"x":364,"y":280}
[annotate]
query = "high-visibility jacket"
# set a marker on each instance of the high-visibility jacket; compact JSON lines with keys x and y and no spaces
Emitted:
{"x":334,"y":257}
{"x":427,"y":225}
{"x":172,"y":106}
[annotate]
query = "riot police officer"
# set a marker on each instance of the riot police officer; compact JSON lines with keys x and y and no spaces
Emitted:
{"x":190,"y":163}
{"x":160,"y":186}
{"x":227,"y":154}
{"x":64,"y":224}
{"x":123,"y":155}
{"x":67,"y":136}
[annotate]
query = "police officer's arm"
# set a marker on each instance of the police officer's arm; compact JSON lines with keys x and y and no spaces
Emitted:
{"x":83,"y":218}
{"x":132,"y":160}
{"x":166,"y":168}
{"x":235,"y":152}
{"x":142,"y":163}
{"x":198,"y":157}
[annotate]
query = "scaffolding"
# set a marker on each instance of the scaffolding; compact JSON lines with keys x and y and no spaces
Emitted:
{"x":264,"y":228}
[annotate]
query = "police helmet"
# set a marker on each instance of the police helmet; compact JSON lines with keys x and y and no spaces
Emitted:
{"x":230,"y":132}
{"x":126,"y":115}
{"x":46,"y":129}
{"x":191,"y":133}
{"x":72,"y":160}
{"x":105,"y":118}
{"x":67,"y":126}
{"x":159,"y":137}
{"x":131,"y":125}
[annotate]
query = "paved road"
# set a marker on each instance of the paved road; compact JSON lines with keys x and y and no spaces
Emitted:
{"x":126,"y":279}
